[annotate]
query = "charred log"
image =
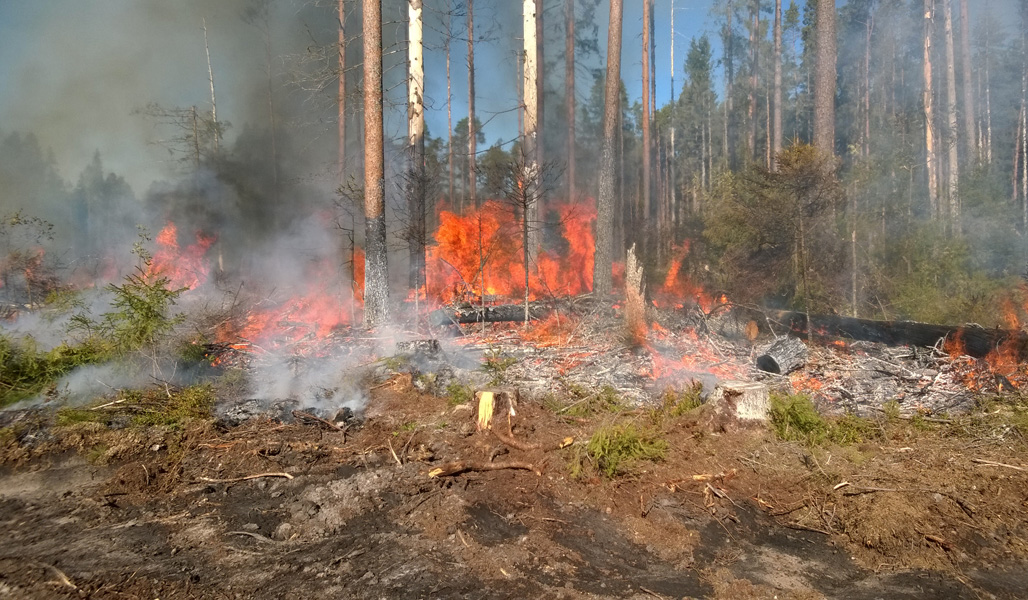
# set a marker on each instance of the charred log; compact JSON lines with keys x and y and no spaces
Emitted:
{"x":783,"y":356}
{"x":974,"y":340}
{"x":488,"y":314}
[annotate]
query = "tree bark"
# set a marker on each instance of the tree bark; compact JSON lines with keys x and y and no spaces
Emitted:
{"x":449,"y":105}
{"x":530,"y":144}
{"x":376,"y":276}
{"x":647,"y":148}
{"x":824,"y":78}
{"x":952,"y":152}
{"x":971,"y":151}
{"x":569,"y":98}
{"x":416,"y":230}
{"x":472,"y":177}
{"x":341,"y":96}
{"x":929,"y":112}
{"x":603,"y":263}
{"x":776,"y":126}
{"x":751,"y":109}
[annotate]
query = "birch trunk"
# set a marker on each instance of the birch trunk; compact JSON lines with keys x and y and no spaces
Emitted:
{"x":929,"y":112}
{"x":416,"y":232}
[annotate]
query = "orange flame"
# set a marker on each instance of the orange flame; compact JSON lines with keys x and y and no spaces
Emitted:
{"x":184,"y":268}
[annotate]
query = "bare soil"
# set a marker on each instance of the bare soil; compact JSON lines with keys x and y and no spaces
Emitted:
{"x":90,"y":512}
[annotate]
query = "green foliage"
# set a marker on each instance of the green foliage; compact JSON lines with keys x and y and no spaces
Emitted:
{"x":606,"y":400}
{"x":794,"y":418}
{"x":615,"y":449}
{"x":764,"y":226}
{"x":496,"y":364}
{"x":458,"y":393}
{"x":141,"y":311}
{"x":677,"y":403}
{"x":155,"y":407}
{"x":25,"y":370}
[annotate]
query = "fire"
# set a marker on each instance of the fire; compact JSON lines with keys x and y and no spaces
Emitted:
{"x":186,"y":268}
{"x":679,"y":288}
{"x":480,"y":254}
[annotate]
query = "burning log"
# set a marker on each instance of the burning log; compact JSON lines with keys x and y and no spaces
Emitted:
{"x":488,"y":314}
{"x":977,"y":341}
{"x":785,"y":355}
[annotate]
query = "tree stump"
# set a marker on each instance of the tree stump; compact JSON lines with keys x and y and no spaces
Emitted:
{"x":494,"y":403}
{"x":738,"y":403}
{"x":785,"y":355}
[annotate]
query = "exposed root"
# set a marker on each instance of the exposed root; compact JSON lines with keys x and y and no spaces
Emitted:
{"x":460,"y":466}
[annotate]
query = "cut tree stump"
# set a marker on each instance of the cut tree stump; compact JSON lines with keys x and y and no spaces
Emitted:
{"x":738,"y":403}
{"x":783,"y":356}
{"x":495,"y":403}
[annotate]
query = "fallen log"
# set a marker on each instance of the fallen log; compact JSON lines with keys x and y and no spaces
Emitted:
{"x":487,"y":314}
{"x":785,"y":355}
{"x":975,"y":340}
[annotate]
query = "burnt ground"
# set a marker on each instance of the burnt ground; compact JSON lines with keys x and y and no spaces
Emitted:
{"x":92,"y":512}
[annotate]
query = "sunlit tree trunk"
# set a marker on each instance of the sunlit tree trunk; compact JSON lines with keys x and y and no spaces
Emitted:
{"x":776,"y":125}
{"x":449,"y":104}
{"x":416,"y":200}
{"x":376,"y":275}
{"x":751,"y":109}
{"x":604,"y":258}
{"x":341,"y":95}
{"x":569,"y":97}
{"x":952,"y":153}
{"x":929,"y":112}
{"x":672,"y":178}
{"x":972,"y":153}
{"x":647,"y":142}
{"x":472,"y":176}
{"x":824,"y":78}
{"x":530,"y":143}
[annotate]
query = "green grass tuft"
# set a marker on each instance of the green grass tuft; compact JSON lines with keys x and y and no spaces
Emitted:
{"x":615,"y":449}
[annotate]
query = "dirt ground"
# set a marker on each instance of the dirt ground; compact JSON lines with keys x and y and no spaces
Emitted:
{"x":104,"y":513}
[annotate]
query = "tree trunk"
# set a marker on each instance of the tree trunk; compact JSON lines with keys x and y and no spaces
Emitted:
{"x":647,"y":141}
{"x":531,"y":143}
{"x":569,"y":98}
{"x":751,"y":109}
{"x":952,"y":152}
{"x":214,"y":101}
{"x":672,"y":177}
{"x":472,"y":177}
{"x":971,"y":151}
{"x":824,"y":79}
{"x":376,"y":276}
{"x":416,"y":200}
{"x":449,"y":106}
{"x":729,"y":60}
{"x":929,"y":112}
{"x":776,"y":127}
{"x":604,"y":260}
{"x":341,"y":97}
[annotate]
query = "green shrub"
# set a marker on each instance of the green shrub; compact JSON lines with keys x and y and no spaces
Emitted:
{"x":794,"y":418}
{"x":458,"y":393}
{"x":615,"y":448}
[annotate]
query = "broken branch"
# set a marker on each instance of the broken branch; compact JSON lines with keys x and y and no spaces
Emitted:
{"x":460,"y":466}
{"x":247,"y":478}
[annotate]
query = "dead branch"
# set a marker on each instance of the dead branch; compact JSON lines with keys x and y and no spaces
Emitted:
{"x":247,"y":478}
{"x":299,"y":414}
{"x":255,"y":536}
{"x":460,"y":466}
{"x":990,"y":463}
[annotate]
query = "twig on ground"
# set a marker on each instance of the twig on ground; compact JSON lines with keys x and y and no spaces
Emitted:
{"x":299,"y":414}
{"x":460,"y":466}
{"x":990,"y":463}
{"x":255,"y":536}
{"x":247,"y":478}
{"x":399,"y":463}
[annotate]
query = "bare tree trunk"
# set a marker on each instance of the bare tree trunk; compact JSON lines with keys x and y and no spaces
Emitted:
{"x":416,"y":200}
{"x":866,"y":134}
{"x":952,"y":152}
{"x":776,"y":127}
{"x":751,"y":114}
{"x":341,"y":95}
{"x":729,"y":60}
{"x":472,"y":176}
{"x":604,"y":259}
{"x":530,"y":144}
{"x":214,"y":101}
{"x":929,"y":112}
{"x":647,"y":147}
{"x":569,"y":98}
{"x":824,"y":79}
{"x":449,"y":104}
{"x":376,"y":274}
{"x":672,"y":178}
{"x":971,"y":152}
